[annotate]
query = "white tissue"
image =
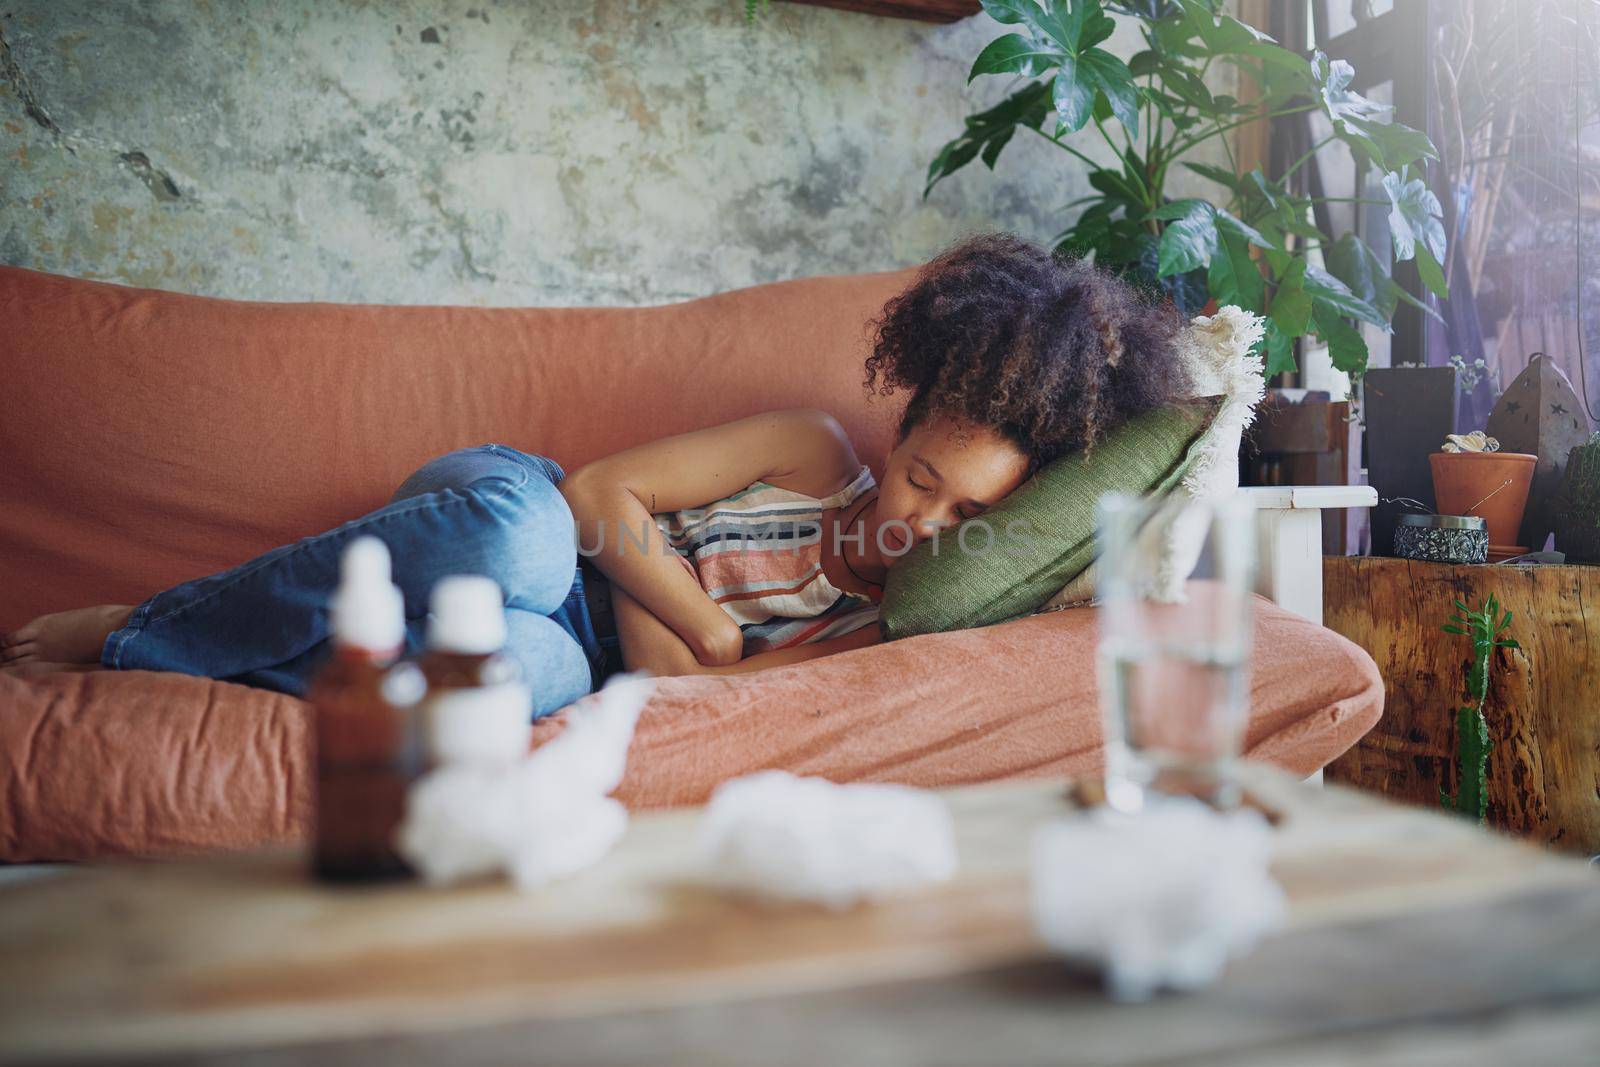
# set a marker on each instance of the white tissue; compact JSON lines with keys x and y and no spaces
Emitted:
{"x":540,"y":818}
{"x":1160,"y":899}
{"x":793,"y":838}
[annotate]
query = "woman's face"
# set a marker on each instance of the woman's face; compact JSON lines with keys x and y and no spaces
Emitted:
{"x":941,"y":474}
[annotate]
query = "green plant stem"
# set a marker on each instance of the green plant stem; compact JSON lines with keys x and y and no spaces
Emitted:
{"x":1297,"y":164}
{"x":1180,"y":147}
{"x":1150,"y":133}
{"x":1093,"y":165}
{"x":1117,"y":152}
{"x":1233,"y":164}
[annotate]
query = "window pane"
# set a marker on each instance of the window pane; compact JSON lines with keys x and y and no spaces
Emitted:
{"x":1520,"y":114}
{"x":1346,"y":14}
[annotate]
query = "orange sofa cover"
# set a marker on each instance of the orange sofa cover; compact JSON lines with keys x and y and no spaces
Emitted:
{"x":147,"y":438}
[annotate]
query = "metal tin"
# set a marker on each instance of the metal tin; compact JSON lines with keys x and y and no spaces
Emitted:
{"x":1442,"y":538}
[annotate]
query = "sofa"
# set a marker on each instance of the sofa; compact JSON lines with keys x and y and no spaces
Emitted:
{"x":148,"y":437}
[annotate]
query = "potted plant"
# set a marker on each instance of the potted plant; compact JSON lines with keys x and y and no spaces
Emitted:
{"x":1472,"y":477}
{"x":1254,"y":244}
{"x":1577,"y":504}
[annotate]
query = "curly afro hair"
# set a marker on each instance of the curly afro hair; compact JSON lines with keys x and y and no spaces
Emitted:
{"x":1050,"y":353}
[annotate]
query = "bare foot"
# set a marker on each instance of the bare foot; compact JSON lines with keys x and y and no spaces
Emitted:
{"x":31,"y":668}
{"x":69,"y":637}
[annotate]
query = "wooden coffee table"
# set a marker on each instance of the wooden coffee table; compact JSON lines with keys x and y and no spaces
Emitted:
{"x":1414,"y":938}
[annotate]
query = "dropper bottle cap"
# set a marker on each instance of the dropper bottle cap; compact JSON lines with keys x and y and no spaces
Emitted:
{"x":469,"y":615}
{"x":368,"y":609}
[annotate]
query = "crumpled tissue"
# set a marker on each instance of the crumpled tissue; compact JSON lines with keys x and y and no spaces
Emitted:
{"x":1159,"y":899}
{"x":543,"y":817}
{"x":778,"y":835}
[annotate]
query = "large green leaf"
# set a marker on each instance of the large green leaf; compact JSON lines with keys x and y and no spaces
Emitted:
{"x":1131,"y":242}
{"x":1233,"y":277}
{"x":1331,"y":78}
{"x":1013,"y":54}
{"x":1011,"y":12}
{"x":1112,"y":77}
{"x":1356,"y":120}
{"x":1431,"y":273}
{"x":1189,"y":237}
{"x":1328,"y":291}
{"x":988,"y":131}
{"x":1266,"y":198}
{"x":1188,"y":291}
{"x":1264,"y":187}
{"x":1073,"y":96}
{"x":1240,"y":228}
{"x":1144,"y":62}
{"x":1116,"y":185}
{"x":1353,"y":262}
{"x":1346,"y":348}
{"x":1221,"y":175}
{"x":1186,"y":85}
{"x":1176,"y":37}
{"x":1177,"y":209}
{"x":1091,"y":233}
{"x":1280,"y":350}
{"x":1389,"y":144}
{"x":1087,"y":74}
{"x":1291,"y":304}
{"x":1075,"y":25}
{"x":1224,"y":35}
{"x":1414,"y":216}
{"x":1277,"y":83}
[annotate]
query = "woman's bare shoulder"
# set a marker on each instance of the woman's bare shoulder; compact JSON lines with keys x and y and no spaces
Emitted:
{"x":823,"y":457}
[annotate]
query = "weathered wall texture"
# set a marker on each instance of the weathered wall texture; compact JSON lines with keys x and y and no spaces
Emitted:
{"x":535,"y":152}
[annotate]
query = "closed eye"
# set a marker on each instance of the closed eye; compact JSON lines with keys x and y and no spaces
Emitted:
{"x":960,"y":515}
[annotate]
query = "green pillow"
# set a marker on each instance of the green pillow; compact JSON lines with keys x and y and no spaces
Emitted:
{"x":928,"y":592}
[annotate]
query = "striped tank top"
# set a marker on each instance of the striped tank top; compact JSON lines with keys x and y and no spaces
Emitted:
{"x":758,"y":553}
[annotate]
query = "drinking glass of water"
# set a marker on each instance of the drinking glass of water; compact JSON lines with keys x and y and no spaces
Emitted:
{"x":1175,"y":638}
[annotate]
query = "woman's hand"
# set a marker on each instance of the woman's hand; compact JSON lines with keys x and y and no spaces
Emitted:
{"x":781,"y":657}
{"x":651,"y":644}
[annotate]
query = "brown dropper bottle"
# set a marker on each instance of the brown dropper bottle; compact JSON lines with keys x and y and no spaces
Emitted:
{"x":478,"y":707}
{"x":368,"y":750}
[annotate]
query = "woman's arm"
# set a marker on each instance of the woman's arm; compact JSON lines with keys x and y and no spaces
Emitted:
{"x":649,"y":643}
{"x":613,"y":500}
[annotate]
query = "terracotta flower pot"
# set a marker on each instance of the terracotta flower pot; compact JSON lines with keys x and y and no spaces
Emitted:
{"x":1493,"y":485}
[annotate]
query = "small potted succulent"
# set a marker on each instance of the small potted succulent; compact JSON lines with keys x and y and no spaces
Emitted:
{"x":1577,"y":504}
{"x":1471,"y":476}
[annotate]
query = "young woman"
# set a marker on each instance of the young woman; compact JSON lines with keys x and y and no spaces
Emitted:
{"x":759,"y":542}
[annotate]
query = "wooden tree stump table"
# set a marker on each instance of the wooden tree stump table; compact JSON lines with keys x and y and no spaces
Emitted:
{"x":1543,"y":709}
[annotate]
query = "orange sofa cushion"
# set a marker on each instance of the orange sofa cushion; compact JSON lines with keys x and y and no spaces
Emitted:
{"x":110,"y":762}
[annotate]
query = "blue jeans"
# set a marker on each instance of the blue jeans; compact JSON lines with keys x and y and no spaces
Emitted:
{"x":487,"y":510}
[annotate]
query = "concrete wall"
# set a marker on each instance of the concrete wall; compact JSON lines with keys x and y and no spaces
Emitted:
{"x":535,"y":152}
